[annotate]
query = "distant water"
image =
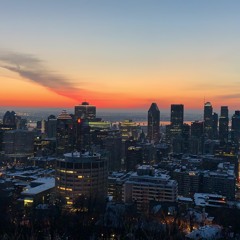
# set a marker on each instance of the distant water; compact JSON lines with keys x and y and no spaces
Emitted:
{"x":112,"y":115}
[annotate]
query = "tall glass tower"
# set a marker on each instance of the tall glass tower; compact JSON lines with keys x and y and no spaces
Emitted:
{"x":208,"y":119}
{"x":153,"y":123}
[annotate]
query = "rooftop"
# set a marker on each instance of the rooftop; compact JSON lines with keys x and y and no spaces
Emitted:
{"x":43,"y":184}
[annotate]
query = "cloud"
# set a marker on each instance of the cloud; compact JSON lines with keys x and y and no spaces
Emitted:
{"x":230,"y":96}
{"x":32,"y":68}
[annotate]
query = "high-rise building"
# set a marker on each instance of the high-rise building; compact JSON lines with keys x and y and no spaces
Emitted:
{"x":64,"y":133}
{"x":208,"y":120}
{"x":186,"y":137}
{"x":176,"y":124}
{"x":153,"y":123}
{"x":133,"y":158}
{"x":82,"y":134}
{"x":18,"y":144}
{"x":176,"y":128}
{"x":51,"y":126}
{"x":223,"y":125}
{"x":113,"y":144}
{"x":82,"y":174}
{"x":85,"y":111}
{"x":177,"y":115}
{"x":197,"y":129}
{"x":129,"y":129}
{"x":224,"y":111}
{"x":235,"y":130}
{"x":215,"y":125}
{"x":9,"y":119}
{"x":196,"y":139}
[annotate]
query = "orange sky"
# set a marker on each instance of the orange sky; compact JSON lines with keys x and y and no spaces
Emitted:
{"x":120,"y":54}
{"x":17,"y":91}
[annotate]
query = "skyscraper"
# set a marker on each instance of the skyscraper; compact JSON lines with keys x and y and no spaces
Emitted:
{"x":215,"y":125}
{"x":10,"y":119}
{"x":51,"y":126}
{"x":196,"y":140}
{"x":235,"y":131}
{"x":85,"y":111}
{"x":176,"y":124}
{"x":223,"y":125}
{"x":64,"y":133}
{"x":153,"y":123}
{"x":197,"y":129}
{"x":208,"y":120}
{"x":177,"y":113}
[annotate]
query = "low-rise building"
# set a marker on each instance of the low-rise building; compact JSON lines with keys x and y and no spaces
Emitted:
{"x":38,"y":191}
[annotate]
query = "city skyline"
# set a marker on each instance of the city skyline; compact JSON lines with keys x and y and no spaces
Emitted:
{"x":119,"y":54}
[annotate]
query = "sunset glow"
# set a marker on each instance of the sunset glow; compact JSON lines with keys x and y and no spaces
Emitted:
{"x":120,"y":54}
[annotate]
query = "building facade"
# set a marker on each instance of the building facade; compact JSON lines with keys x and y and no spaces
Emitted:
{"x":82,"y":174}
{"x":153,"y":123}
{"x":147,"y":185}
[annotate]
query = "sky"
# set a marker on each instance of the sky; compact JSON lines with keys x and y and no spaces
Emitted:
{"x":120,"y":54}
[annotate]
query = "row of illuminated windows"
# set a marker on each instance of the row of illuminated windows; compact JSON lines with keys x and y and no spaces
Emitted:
{"x":82,"y":172}
{"x":89,"y":183}
{"x":160,"y":188}
{"x":88,"y":165}
{"x":81,"y":178}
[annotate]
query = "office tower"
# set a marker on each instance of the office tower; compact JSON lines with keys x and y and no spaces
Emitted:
{"x":223,"y":125}
{"x":82,"y":134}
{"x":133,"y":158}
{"x":85,"y":111}
{"x":162,"y":152}
{"x":177,"y":115}
{"x":185,"y":137}
{"x":175,"y":130}
{"x":215,"y":125}
{"x":21,"y":123}
{"x":129,"y":129}
{"x":196,"y":139}
{"x":82,"y":174}
{"x":153,"y":123}
{"x":176,"y":124}
{"x":197,"y":129}
{"x":64,"y":133}
{"x":51,"y":126}
{"x":9,"y":118}
{"x":224,"y":111}
{"x":208,"y":120}
{"x":41,"y":126}
{"x":235,"y":130}
{"x":18,"y":143}
{"x":148,"y":152}
{"x":113,"y":144}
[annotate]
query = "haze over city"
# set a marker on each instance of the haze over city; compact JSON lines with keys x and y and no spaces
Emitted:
{"x":119,"y":54}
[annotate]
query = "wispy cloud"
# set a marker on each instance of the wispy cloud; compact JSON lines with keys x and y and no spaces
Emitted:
{"x":230,"y":96}
{"x":32,"y":68}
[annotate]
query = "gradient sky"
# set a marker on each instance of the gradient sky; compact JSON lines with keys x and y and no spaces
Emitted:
{"x":120,"y":54}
